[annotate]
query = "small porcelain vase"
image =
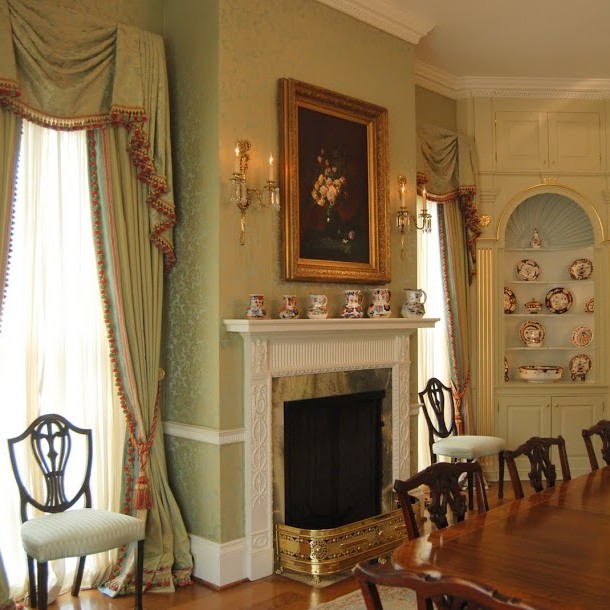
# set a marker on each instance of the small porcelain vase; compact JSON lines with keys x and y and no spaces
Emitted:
{"x":413,"y":306}
{"x":353,"y":304}
{"x":288,"y":310}
{"x":317,"y":306}
{"x":380,"y":307}
{"x":256,"y":311}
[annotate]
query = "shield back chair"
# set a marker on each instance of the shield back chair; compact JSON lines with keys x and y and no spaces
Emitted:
{"x":443,"y":481}
{"x":64,"y":530}
{"x":601,"y":429}
{"x":538,"y":451}
{"x":446,"y":592}
{"x":437,"y":403}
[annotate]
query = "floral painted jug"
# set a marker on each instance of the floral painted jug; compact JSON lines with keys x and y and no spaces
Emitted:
{"x":288,"y":310}
{"x":413,"y":306}
{"x":317,"y":308}
{"x":256,"y":311}
{"x":380,"y":307}
{"x":353,"y":304}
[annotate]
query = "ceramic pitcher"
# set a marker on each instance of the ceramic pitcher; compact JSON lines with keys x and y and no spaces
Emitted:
{"x":256,"y":311}
{"x":380,"y":307}
{"x":317,"y":306}
{"x":413,"y":306}
{"x":289,"y":310}
{"x":353,"y":304}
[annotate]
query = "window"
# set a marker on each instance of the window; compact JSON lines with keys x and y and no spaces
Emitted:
{"x":53,"y":340}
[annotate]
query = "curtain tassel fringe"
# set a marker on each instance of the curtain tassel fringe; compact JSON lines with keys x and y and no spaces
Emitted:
{"x":143,"y":498}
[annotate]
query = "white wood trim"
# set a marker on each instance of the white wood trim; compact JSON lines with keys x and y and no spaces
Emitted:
{"x":204,"y":435}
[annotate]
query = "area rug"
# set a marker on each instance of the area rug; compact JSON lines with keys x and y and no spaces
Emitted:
{"x":392,"y":598}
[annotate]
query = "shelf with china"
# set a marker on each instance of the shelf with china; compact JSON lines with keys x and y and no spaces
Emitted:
{"x":549,"y":305}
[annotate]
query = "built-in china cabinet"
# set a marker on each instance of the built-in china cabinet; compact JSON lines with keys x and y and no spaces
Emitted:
{"x":542,"y":268}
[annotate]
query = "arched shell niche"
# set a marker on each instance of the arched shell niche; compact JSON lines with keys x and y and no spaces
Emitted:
{"x":560,"y":221}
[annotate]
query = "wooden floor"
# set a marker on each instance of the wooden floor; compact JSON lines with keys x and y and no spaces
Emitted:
{"x":265,"y":594}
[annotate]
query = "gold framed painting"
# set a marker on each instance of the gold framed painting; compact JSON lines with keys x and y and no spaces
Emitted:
{"x":334,"y":186}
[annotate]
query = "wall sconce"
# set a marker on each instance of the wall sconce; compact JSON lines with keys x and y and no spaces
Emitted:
{"x":242,"y":194}
{"x":404,"y":218}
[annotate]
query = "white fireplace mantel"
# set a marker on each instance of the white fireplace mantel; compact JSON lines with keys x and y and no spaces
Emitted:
{"x":281,"y":348}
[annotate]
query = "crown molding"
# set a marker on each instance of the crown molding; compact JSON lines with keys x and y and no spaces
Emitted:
{"x":463,"y":87}
{"x":386,"y":16}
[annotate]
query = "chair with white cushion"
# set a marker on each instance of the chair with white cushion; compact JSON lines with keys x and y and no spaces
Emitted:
{"x":436,"y":401}
{"x":65,"y":531}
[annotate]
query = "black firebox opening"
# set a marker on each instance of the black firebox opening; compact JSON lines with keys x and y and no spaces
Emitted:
{"x":332,"y":460}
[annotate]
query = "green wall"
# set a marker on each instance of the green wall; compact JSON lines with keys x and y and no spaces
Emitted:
{"x":435,"y":109}
{"x":224,"y":60}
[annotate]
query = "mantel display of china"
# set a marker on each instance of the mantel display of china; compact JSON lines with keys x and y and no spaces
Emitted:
{"x":353,"y":306}
{"x":556,"y":313}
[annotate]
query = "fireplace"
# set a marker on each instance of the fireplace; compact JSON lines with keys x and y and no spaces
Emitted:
{"x":277,"y":351}
{"x":332,"y":460}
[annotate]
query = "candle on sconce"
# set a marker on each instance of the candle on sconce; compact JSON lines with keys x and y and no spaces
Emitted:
{"x":423,"y":194}
{"x":271,"y":169}
{"x":237,"y":168}
{"x":402,"y":196}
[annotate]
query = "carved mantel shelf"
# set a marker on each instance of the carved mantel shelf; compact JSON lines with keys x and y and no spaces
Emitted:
{"x":280,"y":348}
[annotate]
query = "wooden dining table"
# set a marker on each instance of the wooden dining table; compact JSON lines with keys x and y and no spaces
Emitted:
{"x":551,"y":549}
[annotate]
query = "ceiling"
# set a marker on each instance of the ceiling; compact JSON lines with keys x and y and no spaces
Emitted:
{"x":460,"y":43}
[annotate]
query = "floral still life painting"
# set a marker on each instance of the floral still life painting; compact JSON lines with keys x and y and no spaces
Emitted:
{"x":334,"y":219}
{"x":334,"y":170}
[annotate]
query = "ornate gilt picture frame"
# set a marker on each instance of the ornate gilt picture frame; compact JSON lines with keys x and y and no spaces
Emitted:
{"x":334,"y":186}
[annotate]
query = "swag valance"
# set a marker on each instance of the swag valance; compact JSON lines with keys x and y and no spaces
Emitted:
{"x":63,"y":69}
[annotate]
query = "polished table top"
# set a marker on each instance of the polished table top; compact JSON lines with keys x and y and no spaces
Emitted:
{"x":551,"y":550}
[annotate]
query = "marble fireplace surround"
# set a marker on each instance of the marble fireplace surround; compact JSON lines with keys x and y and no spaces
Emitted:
{"x":283,"y":348}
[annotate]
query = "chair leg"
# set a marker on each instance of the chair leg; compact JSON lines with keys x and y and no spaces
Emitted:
{"x":32,"y":578}
{"x":43,"y":583}
{"x":500,"y":475}
{"x":470,"y":491}
{"x":139,"y":574}
{"x":78,"y":576}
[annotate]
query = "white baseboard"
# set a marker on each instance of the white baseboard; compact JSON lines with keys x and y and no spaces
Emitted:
{"x":218,"y":564}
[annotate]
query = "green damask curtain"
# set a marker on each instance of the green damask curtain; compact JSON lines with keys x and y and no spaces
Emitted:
{"x":64,"y":70}
{"x":446,"y":166}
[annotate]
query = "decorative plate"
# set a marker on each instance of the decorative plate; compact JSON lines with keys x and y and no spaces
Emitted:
{"x":510,"y":301}
{"x":581,"y":268}
{"x":528,"y":270}
{"x":582,"y":336}
{"x":580,"y":365}
{"x":532,"y":333}
{"x":590,"y":305}
{"x":559,"y":300}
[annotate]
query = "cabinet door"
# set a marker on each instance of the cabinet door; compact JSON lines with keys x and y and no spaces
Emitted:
{"x":574,"y":141}
{"x":522,"y":417}
{"x":521,"y":141}
{"x":570,"y":414}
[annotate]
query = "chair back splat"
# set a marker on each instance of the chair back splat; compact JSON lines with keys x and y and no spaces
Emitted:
{"x":65,"y":531}
{"x":441,"y":409}
{"x":446,"y":592}
{"x":538,"y":451}
{"x":601,"y":429}
{"x":443,"y":481}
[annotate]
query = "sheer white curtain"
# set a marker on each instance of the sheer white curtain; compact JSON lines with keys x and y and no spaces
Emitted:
{"x":433,"y":355}
{"x":53,"y":344}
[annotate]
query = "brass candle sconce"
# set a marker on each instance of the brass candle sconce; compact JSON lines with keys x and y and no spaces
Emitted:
{"x":404,"y":218}
{"x":243,"y":195}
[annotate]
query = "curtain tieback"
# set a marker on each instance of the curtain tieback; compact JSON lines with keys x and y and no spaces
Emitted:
{"x":143,"y":497}
{"x":457,"y":399}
